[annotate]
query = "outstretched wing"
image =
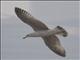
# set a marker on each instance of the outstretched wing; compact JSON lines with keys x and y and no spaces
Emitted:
{"x":30,"y":20}
{"x":54,"y":44}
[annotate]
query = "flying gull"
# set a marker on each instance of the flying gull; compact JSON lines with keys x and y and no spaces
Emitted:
{"x":41,"y":30}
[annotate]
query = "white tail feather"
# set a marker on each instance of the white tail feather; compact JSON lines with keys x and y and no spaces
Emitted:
{"x":60,"y":31}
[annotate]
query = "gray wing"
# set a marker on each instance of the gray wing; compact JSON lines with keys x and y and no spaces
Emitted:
{"x":30,"y":20}
{"x":54,"y":44}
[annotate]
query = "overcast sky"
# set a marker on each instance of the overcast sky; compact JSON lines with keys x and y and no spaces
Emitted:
{"x":65,"y":14}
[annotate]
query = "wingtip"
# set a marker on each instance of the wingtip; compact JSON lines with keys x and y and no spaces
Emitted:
{"x":17,"y":9}
{"x":63,"y":54}
{"x":20,"y":11}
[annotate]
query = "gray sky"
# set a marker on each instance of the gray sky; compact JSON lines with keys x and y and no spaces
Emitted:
{"x":65,"y":14}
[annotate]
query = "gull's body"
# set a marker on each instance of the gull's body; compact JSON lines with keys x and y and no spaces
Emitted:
{"x":44,"y":33}
{"x":41,"y":30}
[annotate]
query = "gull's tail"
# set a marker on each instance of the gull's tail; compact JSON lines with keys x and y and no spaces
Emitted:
{"x":60,"y":31}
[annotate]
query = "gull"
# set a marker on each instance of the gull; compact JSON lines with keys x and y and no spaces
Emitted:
{"x":41,"y":30}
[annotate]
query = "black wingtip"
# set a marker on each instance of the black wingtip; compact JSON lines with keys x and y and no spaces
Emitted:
{"x":20,"y":11}
{"x":17,"y":9}
{"x":62,"y":54}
